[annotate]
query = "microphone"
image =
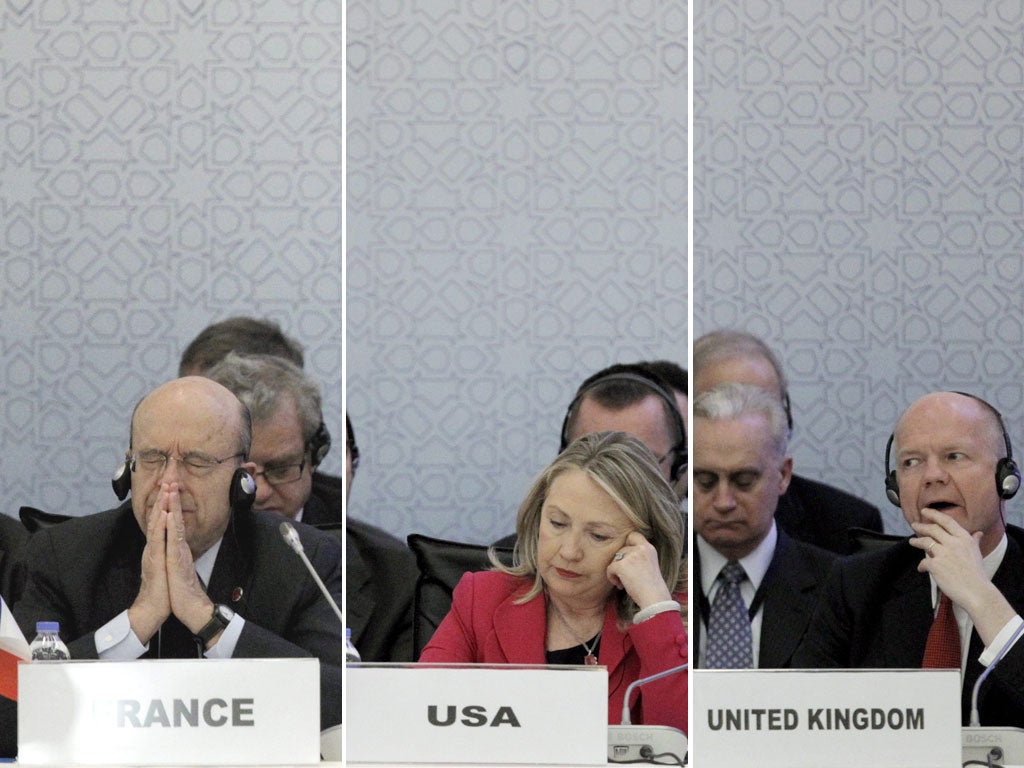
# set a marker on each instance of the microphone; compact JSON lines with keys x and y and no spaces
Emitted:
{"x":291,"y":538}
{"x":975,"y":719}
{"x":643,"y":681}
{"x":646,"y":743}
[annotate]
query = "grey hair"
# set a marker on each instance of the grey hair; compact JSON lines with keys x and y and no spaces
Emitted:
{"x":263,"y":382}
{"x":733,"y":401}
{"x":729,"y":344}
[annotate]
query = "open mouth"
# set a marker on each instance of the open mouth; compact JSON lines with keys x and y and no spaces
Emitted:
{"x":941,"y":506}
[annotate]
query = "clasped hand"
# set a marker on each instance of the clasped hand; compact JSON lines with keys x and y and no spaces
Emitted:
{"x":169,"y":580}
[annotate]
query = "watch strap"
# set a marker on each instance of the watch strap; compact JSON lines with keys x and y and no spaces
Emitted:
{"x":212,"y":627}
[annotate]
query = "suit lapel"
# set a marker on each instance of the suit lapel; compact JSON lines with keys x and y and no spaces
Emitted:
{"x":357,"y":590}
{"x":906,"y":616}
{"x":515,"y":627}
{"x":614,"y":643}
{"x":231,"y":579}
{"x":786,"y":610}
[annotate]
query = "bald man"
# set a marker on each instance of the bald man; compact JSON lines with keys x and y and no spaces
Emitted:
{"x":951,"y":477}
{"x":184,"y":568}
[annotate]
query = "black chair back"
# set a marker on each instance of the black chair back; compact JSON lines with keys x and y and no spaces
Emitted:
{"x":442,"y":563}
{"x":866,"y":540}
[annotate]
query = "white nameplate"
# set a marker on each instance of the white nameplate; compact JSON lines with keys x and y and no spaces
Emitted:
{"x":170,"y":712}
{"x":427,"y":713}
{"x":826,"y":718}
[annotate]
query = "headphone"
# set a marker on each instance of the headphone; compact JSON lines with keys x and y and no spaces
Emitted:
{"x":1008,"y":477}
{"x":319,"y":444}
{"x":350,"y":440}
{"x":678,"y":449}
{"x":241,"y":493}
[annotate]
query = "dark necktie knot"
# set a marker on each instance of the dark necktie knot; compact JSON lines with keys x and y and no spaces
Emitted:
{"x":732,"y":572}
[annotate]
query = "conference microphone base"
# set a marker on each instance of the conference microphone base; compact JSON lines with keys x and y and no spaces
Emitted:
{"x":1000,"y":745}
{"x":656,"y":744}
{"x":1004,"y":746}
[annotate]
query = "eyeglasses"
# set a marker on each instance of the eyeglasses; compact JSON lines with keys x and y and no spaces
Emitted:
{"x":282,"y":474}
{"x":194,"y":464}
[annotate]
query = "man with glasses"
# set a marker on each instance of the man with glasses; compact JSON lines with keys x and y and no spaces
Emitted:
{"x":184,"y":569}
{"x":289,"y":440}
{"x":287,"y":445}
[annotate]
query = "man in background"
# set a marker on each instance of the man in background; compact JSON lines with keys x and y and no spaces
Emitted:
{"x":750,"y":575}
{"x":241,"y":334}
{"x":630,"y":398}
{"x":253,"y":336}
{"x":289,"y":439}
{"x":810,"y":510}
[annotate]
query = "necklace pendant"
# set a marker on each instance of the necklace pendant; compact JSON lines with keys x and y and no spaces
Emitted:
{"x":590,"y":660}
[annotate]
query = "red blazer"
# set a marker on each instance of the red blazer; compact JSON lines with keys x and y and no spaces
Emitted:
{"x":486,"y":626}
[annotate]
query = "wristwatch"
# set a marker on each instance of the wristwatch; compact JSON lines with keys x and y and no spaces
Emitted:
{"x":222,"y":616}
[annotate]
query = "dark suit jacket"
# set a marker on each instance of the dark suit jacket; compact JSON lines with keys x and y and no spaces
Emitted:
{"x":381,"y":582}
{"x":791,"y":587}
{"x":86,"y":571}
{"x":820,"y":514}
{"x":13,"y":536}
{"x":324,"y":504}
{"x":876,"y":611}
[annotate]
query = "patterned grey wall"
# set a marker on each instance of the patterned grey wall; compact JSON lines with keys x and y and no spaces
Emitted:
{"x":858,"y":195}
{"x":162,"y":165}
{"x":516,"y":221}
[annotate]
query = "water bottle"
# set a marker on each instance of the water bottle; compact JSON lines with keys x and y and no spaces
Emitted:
{"x":351,"y":653}
{"x":48,"y":646}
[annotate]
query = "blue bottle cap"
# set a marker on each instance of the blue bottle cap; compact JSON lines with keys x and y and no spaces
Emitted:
{"x":47,"y":626}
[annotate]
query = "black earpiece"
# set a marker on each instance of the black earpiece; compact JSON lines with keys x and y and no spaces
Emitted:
{"x":122,"y":480}
{"x":319,"y":444}
{"x":243,"y":491}
{"x":679,"y":454}
{"x":1008,"y":476}
{"x":892,"y":488}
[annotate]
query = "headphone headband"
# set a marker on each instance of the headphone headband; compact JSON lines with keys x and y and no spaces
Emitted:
{"x":678,"y":449}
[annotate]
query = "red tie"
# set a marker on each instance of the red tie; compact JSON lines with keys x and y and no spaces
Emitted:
{"x":942,"y":651}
